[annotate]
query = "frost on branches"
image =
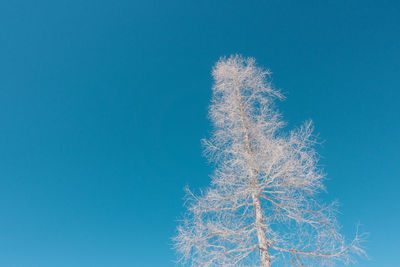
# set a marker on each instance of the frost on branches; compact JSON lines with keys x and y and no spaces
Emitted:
{"x":261,"y":207}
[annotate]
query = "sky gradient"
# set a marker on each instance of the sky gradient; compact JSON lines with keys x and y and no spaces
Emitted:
{"x":103,"y":105}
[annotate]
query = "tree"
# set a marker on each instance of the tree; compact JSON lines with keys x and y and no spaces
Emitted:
{"x":262,"y":205}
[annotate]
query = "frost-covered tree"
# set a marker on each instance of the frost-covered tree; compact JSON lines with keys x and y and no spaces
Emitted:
{"x":261,"y":207}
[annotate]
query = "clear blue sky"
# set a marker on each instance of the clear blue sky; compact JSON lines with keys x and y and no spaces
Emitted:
{"x":103,"y":105}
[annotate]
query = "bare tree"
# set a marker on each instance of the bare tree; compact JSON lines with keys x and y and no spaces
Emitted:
{"x":261,"y":207}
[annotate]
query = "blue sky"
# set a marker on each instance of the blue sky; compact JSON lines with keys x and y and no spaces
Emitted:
{"x":103,"y":105}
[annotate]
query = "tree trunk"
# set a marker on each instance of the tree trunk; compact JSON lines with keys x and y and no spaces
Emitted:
{"x":265,"y":259}
{"x":262,"y":239}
